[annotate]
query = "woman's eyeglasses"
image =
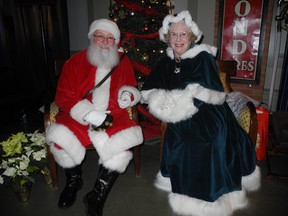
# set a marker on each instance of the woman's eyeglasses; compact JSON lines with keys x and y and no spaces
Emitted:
{"x":181,"y":35}
{"x":101,"y":38}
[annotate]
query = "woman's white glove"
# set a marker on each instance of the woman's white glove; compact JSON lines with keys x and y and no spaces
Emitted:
{"x":125,"y":99}
{"x":96,"y":117}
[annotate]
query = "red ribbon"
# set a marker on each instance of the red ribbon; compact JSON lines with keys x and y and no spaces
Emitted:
{"x":143,"y":69}
{"x":147,"y":36}
{"x":137,"y":8}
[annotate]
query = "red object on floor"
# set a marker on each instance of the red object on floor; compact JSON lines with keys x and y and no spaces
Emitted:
{"x":262,"y":140}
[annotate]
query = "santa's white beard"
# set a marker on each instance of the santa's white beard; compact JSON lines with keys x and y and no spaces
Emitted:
{"x":107,"y":58}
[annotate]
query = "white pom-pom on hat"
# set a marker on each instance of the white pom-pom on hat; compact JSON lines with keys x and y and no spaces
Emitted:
{"x":106,"y":25}
{"x":186,"y":17}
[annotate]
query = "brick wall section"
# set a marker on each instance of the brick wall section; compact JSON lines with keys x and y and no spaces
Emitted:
{"x":252,"y":90}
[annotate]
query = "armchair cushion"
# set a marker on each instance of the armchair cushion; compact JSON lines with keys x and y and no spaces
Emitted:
{"x":244,"y":118}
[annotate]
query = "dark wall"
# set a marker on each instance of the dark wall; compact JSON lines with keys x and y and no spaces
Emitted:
{"x":283,"y":92}
{"x":33,"y":33}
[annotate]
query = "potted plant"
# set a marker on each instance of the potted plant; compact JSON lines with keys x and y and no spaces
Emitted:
{"x":23,"y":156}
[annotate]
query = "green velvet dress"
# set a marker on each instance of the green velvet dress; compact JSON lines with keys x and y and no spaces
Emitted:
{"x":205,"y":153}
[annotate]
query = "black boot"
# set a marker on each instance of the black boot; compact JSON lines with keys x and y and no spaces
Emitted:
{"x":96,"y":198}
{"x":73,"y":184}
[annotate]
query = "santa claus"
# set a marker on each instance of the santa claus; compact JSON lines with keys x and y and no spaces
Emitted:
{"x":73,"y":130}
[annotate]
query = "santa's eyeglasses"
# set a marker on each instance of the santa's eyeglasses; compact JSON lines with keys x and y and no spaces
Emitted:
{"x":101,"y":38}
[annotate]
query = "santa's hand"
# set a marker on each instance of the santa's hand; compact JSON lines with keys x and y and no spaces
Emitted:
{"x":96,"y":117}
{"x":125,"y":99}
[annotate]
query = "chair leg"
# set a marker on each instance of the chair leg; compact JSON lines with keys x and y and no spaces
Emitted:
{"x":163,"y":130}
{"x":53,"y":169}
{"x":136,"y":160}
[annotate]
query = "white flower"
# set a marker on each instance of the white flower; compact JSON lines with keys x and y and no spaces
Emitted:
{"x":39,"y":155}
{"x":26,"y":162}
{"x":4,"y":164}
{"x":28,"y":150}
{"x":37,"y":138}
{"x":22,"y":173}
{"x":11,"y":160}
{"x":9,"y":171}
{"x":23,"y":165}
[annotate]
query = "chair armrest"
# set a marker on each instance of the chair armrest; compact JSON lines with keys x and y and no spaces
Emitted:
{"x":50,"y":111}
{"x":134,"y":114}
{"x":253,"y":130}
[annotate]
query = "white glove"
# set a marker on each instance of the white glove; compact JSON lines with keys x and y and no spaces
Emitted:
{"x":125,"y":99}
{"x":96,"y":117}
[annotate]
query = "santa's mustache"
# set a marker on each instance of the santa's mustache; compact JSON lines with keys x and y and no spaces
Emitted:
{"x":103,"y":55}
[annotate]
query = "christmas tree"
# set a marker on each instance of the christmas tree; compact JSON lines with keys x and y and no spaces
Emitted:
{"x":139,"y":22}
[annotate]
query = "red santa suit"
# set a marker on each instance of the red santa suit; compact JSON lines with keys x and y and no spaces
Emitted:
{"x":72,"y":133}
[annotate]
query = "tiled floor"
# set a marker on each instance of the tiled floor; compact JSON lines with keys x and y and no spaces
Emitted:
{"x":133,"y":196}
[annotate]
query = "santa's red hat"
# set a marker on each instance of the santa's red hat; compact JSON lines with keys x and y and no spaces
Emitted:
{"x":106,"y":25}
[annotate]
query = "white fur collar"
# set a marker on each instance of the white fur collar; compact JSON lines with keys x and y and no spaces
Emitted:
{"x":194,"y":51}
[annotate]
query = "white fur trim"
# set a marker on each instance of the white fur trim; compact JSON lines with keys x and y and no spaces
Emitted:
{"x":61,"y":157}
{"x":162,"y":183}
{"x":125,"y":139}
{"x":252,"y":182}
{"x":118,"y":162}
{"x":145,"y":95}
{"x":206,"y":95}
{"x":194,"y":51}
{"x":177,"y":105}
{"x":72,"y":152}
{"x":170,"y":106}
{"x":223,"y":206}
{"x":101,"y":95}
{"x":134,"y":91}
{"x":106,"y":25}
{"x":98,"y":139}
{"x":186,"y":17}
{"x":81,"y":109}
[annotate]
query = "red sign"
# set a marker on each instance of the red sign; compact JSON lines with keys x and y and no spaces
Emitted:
{"x":241,"y":29}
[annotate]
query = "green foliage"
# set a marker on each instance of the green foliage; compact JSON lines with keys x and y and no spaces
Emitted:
{"x":22,"y":157}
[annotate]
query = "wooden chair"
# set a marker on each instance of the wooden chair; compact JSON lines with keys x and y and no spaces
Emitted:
{"x":50,"y":111}
{"x":248,"y":116}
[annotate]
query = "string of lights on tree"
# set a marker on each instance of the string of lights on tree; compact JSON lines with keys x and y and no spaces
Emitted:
{"x":139,"y":22}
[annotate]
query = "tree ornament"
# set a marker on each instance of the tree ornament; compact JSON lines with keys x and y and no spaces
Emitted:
{"x":116,"y":8}
{"x":153,"y":1}
{"x":145,"y":58}
{"x":122,"y":14}
{"x":146,"y":28}
{"x":111,"y":15}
